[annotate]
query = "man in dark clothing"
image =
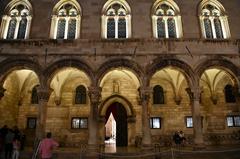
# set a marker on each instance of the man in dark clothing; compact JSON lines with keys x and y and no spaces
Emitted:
{"x":9,"y":144}
{"x":177,"y":138}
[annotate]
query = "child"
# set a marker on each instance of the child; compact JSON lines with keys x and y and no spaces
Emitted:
{"x":16,"y":148}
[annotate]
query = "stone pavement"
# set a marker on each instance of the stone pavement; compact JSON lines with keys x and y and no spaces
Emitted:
{"x":213,"y":152}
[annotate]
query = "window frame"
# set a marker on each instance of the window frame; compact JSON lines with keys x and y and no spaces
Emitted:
{"x":31,"y":118}
{"x":233,"y":120}
{"x":6,"y":19}
{"x":105,"y":17}
{"x":151,"y":122}
{"x":80,"y":127}
{"x":186,"y":117}
{"x":222,"y":17}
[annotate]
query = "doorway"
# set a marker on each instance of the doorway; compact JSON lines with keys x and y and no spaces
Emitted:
{"x":116,"y":118}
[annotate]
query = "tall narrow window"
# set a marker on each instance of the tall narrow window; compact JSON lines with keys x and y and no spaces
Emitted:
{"x":116,"y":20}
{"x":158,"y":95}
{"x":213,"y":19}
{"x":16,"y":22}
{"x":229,"y":94}
{"x":80,"y":97}
{"x":34,"y":97}
{"x":66,"y":20}
{"x":166,"y":20}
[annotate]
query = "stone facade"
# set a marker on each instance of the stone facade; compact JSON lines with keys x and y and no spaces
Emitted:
{"x":120,"y":67}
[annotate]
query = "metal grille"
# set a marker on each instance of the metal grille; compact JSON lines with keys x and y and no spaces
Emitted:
{"x":121,"y":28}
{"x":11,"y":28}
{"x":72,"y":29}
{"x":171,"y":28}
{"x":161,"y":28}
{"x":111,"y":28}
{"x":22,"y":28}
{"x":208,"y":28}
{"x":218,"y":28}
{"x":61,"y":29}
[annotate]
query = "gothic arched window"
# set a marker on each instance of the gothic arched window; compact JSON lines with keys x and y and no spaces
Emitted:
{"x":213,"y":19}
{"x":34,"y":96}
{"x":116,"y":22}
{"x":166,"y":20}
{"x":229,"y":94}
{"x":81,"y":95}
{"x":158,"y":95}
{"x":17,"y":20}
{"x":66,"y":20}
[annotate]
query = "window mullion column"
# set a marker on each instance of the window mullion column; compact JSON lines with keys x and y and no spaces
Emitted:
{"x":6,"y":26}
{"x":166,"y":26}
{"x":213,"y":27}
{"x":27,"y":27}
{"x":66,"y":28}
{"x":116,"y":26}
{"x":223,"y":28}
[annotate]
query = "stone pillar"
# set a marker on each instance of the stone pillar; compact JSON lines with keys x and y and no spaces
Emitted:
{"x":43,"y":96}
{"x":237,"y":96}
{"x":144,"y":93}
{"x":194,"y":95}
{"x":95,"y":96}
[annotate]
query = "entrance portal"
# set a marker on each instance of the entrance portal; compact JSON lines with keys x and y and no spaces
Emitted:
{"x":118,"y":115}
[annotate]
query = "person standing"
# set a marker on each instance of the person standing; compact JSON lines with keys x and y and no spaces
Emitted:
{"x":16,"y":148}
{"x":46,"y":146}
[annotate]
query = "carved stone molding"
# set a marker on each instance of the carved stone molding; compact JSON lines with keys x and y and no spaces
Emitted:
{"x":194,"y":94}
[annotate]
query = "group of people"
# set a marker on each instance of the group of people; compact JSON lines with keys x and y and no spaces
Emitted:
{"x":11,"y":142}
{"x":179,"y":138}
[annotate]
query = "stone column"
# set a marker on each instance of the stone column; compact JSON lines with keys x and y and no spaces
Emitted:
{"x":43,"y":96}
{"x":237,"y":96}
{"x":95,"y":96}
{"x":144,"y":93}
{"x":194,"y":95}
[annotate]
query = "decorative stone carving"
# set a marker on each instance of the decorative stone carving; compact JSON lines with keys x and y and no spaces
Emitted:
{"x":43,"y":94}
{"x":214,"y":98}
{"x":94,"y":94}
{"x":57,"y":100}
{"x":144,"y":94}
{"x":178,"y":99}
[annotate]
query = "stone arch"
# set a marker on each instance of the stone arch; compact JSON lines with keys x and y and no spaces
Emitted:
{"x":161,"y":63}
{"x":122,"y":63}
{"x":17,"y":2}
{"x":63,"y":2}
{"x":116,"y":98}
{"x":51,"y":70}
{"x":11,"y":64}
{"x":224,"y":64}
{"x":167,"y":2}
{"x":211,"y":2}
{"x":121,"y":2}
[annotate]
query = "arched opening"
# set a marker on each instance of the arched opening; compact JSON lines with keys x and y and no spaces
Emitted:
{"x":16,"y":106}
{"x":116,"y":118}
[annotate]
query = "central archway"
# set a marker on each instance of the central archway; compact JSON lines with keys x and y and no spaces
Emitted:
{"x":120,"y":116}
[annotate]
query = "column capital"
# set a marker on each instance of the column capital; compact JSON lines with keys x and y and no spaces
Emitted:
{"x":43,"y":93}
{"x":94,"y":94}
{"x":194,"y":93}
{"x":144,"y":94}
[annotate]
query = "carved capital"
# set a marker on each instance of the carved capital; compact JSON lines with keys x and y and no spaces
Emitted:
{"x":144,"y":94}
{"x":43,"y":94}
{"x":194,"y":94}
{"x":94,"y":94}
